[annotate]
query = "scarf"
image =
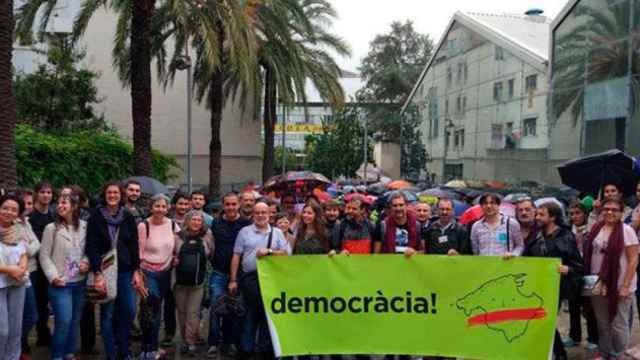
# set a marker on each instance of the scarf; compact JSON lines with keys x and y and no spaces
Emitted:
{"x":610,"y":269}
{"x":113,"y":222}
{"x":9,"y":235}
{"x":390,"y":233}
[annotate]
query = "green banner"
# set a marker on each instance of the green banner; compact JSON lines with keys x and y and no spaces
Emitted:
{"x":462,"y":306}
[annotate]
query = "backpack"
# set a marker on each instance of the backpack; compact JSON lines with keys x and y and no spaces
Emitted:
{"x":192,"y":262}
{"x":146,"y":226}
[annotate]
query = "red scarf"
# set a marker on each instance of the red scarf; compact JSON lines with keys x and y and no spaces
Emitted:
{"x":390,"y":233}
{"x":610,"y":269}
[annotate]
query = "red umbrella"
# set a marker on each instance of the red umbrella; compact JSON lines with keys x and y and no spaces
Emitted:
{"x":321,"y":195}
{"x":368,"y":199}
{"x":398,"y":184}
{"x":471,"y":215}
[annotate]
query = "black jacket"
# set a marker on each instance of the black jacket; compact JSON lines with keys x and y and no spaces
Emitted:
{"x":457,"y":238}
{"x":99,"y":243}
{"x":561,"y":244}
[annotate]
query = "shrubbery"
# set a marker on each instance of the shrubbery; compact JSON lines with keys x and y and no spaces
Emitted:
{"x":85,"y":158}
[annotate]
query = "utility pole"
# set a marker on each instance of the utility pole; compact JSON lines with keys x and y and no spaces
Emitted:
{"x":284,"y":135}
{"x":366,"y":149}
{"x":189,"y":111}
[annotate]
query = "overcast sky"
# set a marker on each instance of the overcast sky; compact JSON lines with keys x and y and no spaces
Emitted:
{"x":361,"y":20}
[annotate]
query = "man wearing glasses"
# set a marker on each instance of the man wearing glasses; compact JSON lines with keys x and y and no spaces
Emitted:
{"x":496,"y":234}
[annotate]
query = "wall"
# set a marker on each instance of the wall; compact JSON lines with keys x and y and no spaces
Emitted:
{"x":387,"y":158}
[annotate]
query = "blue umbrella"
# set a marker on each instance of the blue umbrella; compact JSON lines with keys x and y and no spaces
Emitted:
{"x":459,"y":207}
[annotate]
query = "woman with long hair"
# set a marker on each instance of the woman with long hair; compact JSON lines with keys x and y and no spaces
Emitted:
{"x":13,"y":274}
{"x":111,"y":226}
{"x":194,"y":247}
{"x":157,"y":243}
{"x":65,"y":264}
{"x":311,"y":237}
{"x":611,"y":253}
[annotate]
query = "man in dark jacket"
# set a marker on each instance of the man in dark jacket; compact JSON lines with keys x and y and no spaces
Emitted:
{"x":445,"y":236}
{"x":555,"y":241}
{"x":354,"y":234}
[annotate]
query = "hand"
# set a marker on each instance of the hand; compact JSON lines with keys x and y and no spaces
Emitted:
{"x":176,"y":261}
{"x":409,"y":252}
{"x":138,"y":284}
{"x":453,"y":252}
{"x":233,"y":287}
{"x":262,"y":252}
{"x":345,"y":252}
{"x":597,"y":204}
{"x":624,"y":292}
{"x":508,"y":256}
{"x":58,"y":282}
{"x":332,"y":253}
{"x":16,"y":272}
{"x":100,"y":284}
{"x":84,"y":267}
{"x":563,"y":269}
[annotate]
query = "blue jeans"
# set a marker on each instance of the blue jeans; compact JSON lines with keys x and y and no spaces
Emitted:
{"x":11,"y":308}
{"x":67,"y":303}
{"x":125,"y":307}
{"x":222,"y":329}
{"x":255,"y":321}
{"x":158,"y":284}
{"x":30,"y":313}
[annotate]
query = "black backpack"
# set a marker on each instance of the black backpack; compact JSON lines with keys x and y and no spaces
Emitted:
{"x":192,"y":262}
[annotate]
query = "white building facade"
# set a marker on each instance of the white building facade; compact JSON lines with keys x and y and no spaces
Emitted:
{"x":482,"y":99}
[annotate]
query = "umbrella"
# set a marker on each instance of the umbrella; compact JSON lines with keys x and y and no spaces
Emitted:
{"x":322,"y":196}
{"x":398,"y":184}
{"x":368,"y":199}
{"x":471,"y":215}
{"x":514,"y":198}
{"x":411,"y":197}
{"x":377,"y":189}
{"x":459,"y":207}
{"x":439,"y":193}
{"x":297,"y":179}
{"x":589,"y":174}
{"x":148,"y":185}
{"x":458,"y":184}
{"x":508,"y":209}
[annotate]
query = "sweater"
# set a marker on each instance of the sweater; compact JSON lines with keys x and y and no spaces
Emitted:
{"x":62,"y":251}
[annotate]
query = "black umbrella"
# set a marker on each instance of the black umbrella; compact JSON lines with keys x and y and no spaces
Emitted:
{"x":590,"y":173}
{"x":148,"y":185}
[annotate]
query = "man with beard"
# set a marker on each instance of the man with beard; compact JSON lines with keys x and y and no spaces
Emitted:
{"x":198,"y":201}
{"x":224,"y":331}
{"x":181,"y":205}
{"x":133,"y":191}
{"x":248,"y":200}
{"x":354,"y":233}
{"x":446,"y":236}
{"x":331,"y":210}
{"x":526,"y":216}
{"x":555,"y":241}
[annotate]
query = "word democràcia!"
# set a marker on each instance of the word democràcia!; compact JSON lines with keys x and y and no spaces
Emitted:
{"x":355,"y":304}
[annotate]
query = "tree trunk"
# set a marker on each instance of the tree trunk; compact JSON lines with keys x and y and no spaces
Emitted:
{"x":141,"y":85}
{"x":9,"y":177}
{"x":216,"y":101}
{"x":269,"y":124}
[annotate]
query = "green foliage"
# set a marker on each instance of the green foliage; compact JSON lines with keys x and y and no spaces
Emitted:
{"x":339,"y":150}
{"x":293,"y":161}
{"x":60,"y":95}
{"x":414,"y":154}
{"x":394,"y":62}
{"x":85,"y":158}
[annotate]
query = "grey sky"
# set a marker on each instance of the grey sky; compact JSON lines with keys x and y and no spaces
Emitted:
{"x":361,"y":20}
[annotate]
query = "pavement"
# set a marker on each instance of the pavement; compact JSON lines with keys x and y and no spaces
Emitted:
{"x":575,"y":353}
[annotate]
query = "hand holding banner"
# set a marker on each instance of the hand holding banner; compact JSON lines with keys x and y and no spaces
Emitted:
{"x":472,"y":307}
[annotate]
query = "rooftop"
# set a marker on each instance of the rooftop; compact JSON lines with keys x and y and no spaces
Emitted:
{"x":530,"y":32}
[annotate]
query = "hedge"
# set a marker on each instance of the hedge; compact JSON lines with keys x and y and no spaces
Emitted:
{"x":84,"y":158}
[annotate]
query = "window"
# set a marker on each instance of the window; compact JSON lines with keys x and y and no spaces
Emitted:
{"x":464,"y":104}
{"x":511,"y":88}
{"x":446,"y":138}
{"x":496,"y":136}
{"x":499,"y":53}
{"x":433,"y":112}
{"x":446,"y":106}
{"x":532,"y":83}
{"x":460,"y":74}
{"x":458,"y":139}
{"x":466,"y":73}
{"x":449,"y":76}
{"x":529,"y":127}
{"x":458,"y":105}
{"x":497,"y":91}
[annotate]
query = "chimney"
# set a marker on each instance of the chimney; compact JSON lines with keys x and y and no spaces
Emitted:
{"x":535,"y":15}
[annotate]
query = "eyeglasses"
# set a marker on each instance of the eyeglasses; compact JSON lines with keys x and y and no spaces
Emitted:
{"x":613,"y":210}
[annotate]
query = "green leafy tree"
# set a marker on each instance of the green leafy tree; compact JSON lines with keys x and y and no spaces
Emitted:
{"x":7,"y":99}
{"x":59,"y":96}
{"x":339,"y":150}
{"x":394,"y":62}
{"x":413,"y":153}
{"x":293,"y":160}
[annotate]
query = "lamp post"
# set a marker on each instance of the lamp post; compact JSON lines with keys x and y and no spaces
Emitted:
{"x":284,"y":135}
{"x":184,"y":63}
{"x":366,"y":149}
{"x":448,"y":124}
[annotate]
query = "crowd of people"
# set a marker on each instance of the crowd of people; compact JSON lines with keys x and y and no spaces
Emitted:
{"x":161,"y":265}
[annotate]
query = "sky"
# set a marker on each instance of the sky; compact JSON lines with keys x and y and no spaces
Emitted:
{"x":361,"y":20}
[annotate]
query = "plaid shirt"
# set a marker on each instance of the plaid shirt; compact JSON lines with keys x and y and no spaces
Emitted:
{"x":493,"y":242}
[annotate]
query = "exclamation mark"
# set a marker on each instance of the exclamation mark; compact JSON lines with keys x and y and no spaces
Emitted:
{"x":434,"y":299}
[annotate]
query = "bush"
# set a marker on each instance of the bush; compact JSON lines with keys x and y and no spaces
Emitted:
{"x":85,"y":158}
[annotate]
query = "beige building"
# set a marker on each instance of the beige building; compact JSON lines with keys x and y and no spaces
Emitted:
{"x":241,"y":143}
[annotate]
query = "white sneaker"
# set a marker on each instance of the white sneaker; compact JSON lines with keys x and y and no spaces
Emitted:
{"x":212,"y":353}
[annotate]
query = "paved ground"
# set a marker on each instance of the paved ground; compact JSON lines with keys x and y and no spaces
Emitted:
{"x":576,"y":353}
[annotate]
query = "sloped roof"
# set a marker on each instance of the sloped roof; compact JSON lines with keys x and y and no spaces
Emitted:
{"x":524,"y":35}
{"x":529,"y":32}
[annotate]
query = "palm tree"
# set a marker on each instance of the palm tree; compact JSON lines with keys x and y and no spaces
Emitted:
{"x":135,"y":17}
{"x":592,"y":52}
{"x":224,"y":44}
{"x":294,"y":47}
{"x":7,"y":99}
